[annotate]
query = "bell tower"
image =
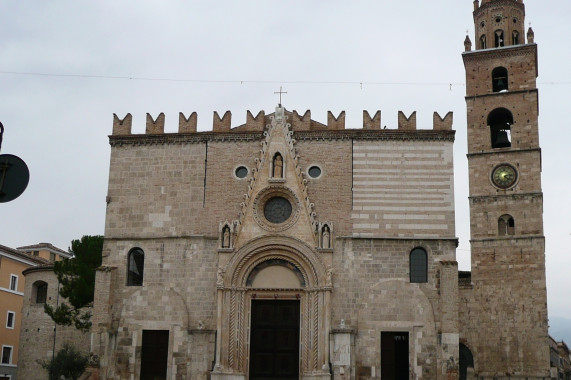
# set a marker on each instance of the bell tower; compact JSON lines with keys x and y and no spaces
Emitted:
{"x":506,"y":327}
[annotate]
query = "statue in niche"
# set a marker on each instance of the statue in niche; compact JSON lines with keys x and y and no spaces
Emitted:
{"x":329,"y":277}
{"x":278,"y":166}
{"x":220,"y":277}
{"x":226,"y":237}
{"x":326,"y":238}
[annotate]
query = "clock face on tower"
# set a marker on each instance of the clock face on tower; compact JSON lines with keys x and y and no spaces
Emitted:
{"x":504,"y":176}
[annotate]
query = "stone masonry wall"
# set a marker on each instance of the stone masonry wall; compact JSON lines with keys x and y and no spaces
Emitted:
{"x":333,"y":187}
{"x":403,"y":189}
{"x":178,"y":295}
{"x":38,"y":330}
{"x":372,"y":293}
{"x":508,"y":298}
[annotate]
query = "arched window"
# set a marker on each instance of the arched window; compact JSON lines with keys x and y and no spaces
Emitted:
{"x":500,"y":121}
{"x":499,"y":38}
{"x":418,"y":265}
{"x":515,"y":37}
{"x":39,"y":292}
{"x":466,"y":361}
{"x":500,"y":79}
{"x":135,"y":267}
{"x":506,"y":225}
{"x":483,"y":44}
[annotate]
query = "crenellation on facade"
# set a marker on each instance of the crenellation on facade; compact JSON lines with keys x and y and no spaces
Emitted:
{"x":259,"y":123}
{"x":442,"y":123}
{"x":371,"y":122}
{"x":222,"y":124}
{"x":122,"y":126}
{"x":155,"y":126}
{"x":187,"y":124}
{"x":407,"y":123}
{"x":335,"y":123}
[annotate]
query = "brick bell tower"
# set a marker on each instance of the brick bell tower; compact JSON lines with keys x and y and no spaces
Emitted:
{"x":505,"y":324}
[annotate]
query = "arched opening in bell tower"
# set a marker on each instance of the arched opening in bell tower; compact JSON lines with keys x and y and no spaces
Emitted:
{"x":500,"y":79}
{"x":500,"y":121}
{"x":499,"y":38}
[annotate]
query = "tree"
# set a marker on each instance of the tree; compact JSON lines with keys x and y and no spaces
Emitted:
{"x":77,"y":283}
{"x":68,"y":362}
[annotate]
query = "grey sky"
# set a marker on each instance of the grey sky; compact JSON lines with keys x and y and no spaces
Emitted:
{"x":207,"y":56}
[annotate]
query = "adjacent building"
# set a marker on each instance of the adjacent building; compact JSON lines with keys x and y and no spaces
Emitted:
{"x":13,"y":262}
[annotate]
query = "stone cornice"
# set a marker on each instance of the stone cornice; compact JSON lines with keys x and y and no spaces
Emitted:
{"x":498,"y":3}
{"x":505,"y":53}
{"x":494,"y":197}
{"x":510,"y":237}
{"x":500,"y":94}
{"x":347,"y":134}
{"x":412,"y":238}
{"x":41,"y":268}
{"x":500,"y":151}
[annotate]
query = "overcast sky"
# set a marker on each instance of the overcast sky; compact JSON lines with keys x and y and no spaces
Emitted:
{"x":67,"y":66}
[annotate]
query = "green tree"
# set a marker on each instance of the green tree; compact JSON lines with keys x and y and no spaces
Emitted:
{"x":77,"y":283}
{"x":68,"y":362}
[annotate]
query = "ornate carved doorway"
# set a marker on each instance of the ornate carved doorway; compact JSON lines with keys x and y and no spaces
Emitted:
{"x":274,"y":340}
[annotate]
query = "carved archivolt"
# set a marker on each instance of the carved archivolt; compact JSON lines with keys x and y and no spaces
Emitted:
{"x":276,"y":247}
{"x":238,"y":295}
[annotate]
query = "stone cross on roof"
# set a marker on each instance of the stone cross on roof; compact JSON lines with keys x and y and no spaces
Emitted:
{"x":280,"y":92}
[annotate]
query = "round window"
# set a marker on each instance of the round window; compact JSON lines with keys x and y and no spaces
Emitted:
{"x":241,"y":172}
{"x":498,"y":19}
{"x":277,"y":210}
{"x":314,"y":171}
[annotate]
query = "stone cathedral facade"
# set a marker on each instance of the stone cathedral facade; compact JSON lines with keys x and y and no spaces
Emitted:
{"x":288,"y":249}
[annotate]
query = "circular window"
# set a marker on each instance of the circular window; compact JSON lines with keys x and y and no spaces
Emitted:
{"x":498,"y":19}
{"x":241,"y":172}
{"x":277,"y":210}
{"x":482,"y":24}
{"x":314,"y":171}
{"x":515,"y":20}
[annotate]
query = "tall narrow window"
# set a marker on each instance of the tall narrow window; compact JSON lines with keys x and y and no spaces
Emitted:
{"x":10,"y":319}
{"x":499,"y":38}
{"x":7,"y":354}
{"x":483,"y":44}
{"x":135,"y":267}
{"x":500,"y":79}
{"x":14,"y":282}
{"x":515,"y":37}
{"x":418,"y":265}
{"x":506,"y":225}
{"x":39,"y":292}
{"x":500,"y":121}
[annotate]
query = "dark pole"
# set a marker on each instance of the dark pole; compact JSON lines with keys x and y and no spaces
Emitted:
{"x":1,"y":134}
